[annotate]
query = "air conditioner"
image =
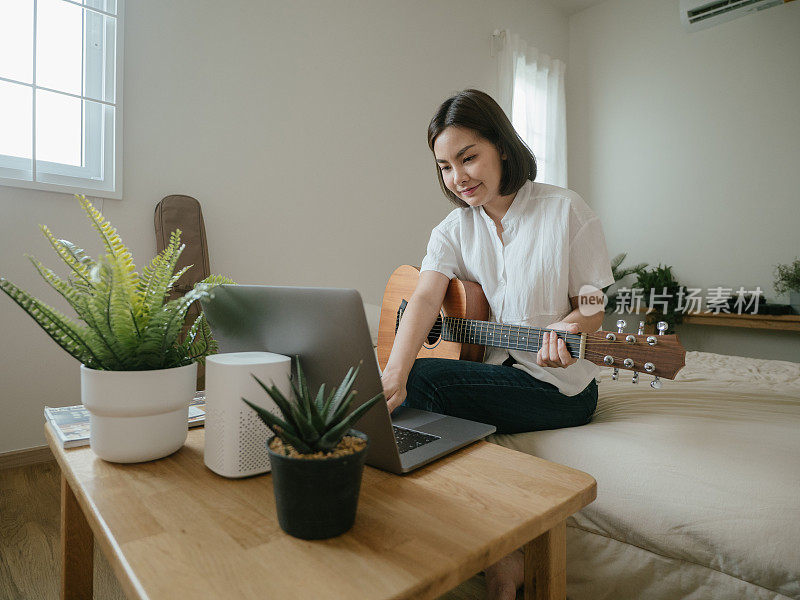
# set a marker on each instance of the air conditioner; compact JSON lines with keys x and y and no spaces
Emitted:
{"x":701,"y":14}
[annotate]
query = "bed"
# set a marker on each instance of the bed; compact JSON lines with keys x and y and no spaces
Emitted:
{"x":698,"y":484}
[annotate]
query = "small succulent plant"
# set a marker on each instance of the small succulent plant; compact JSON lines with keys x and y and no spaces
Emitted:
{"x":313,"y":423}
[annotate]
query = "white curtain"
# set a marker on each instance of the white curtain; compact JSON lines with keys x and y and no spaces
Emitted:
{"x":531,"y":91}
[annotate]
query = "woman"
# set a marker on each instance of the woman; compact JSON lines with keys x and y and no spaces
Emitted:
{"x":538,"y":253}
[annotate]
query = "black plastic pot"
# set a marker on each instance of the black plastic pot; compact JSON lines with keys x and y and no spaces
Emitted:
{"x":317,"y":498}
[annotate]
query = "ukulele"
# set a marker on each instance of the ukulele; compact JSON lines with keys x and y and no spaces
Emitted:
{"x":462,"y":331}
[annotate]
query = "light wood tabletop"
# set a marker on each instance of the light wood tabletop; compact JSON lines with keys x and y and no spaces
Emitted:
{"x":171,"y":528}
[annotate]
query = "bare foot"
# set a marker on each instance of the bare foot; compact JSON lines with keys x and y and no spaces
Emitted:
{"x":505,"y":576}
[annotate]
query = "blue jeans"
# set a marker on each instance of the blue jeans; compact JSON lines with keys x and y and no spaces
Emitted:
{"x":500,"y":395}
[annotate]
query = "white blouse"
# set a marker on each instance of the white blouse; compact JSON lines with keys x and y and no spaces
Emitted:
{"x":552,"y":245}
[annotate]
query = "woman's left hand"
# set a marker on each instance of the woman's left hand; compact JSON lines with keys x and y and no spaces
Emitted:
{"x":554,"y":352}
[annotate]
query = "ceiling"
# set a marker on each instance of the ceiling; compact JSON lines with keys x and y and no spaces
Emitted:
{"x":570,"y":7}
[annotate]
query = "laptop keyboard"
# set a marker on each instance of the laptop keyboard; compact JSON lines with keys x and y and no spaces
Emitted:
{"x":408,"y":439}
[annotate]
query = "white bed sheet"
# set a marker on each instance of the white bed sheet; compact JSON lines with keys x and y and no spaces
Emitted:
{"x":698,"y":483}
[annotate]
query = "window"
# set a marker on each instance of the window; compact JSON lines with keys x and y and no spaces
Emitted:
{"x":60,"y":74}
{"x":529,"y":113}
{"x":538,"y":114}
{"x":531,"y":86}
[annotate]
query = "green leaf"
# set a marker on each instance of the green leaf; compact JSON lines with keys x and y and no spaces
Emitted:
{"x":178,"y":275}
{"x":297,"y":393}
{"x":70,"y":336}
{"x":215,"y":280}
{"x":333,"y":436}
{"x":291,"y":413}
{"x":280,"y":400}
{"x":302,"y":394}
{"x":97,"y":308}
{"x":306,"y":404}
{"x":146,"y":286}
{"x":193,"y":332}
{"x":199,"y":342}
{"x":316,"y":418}
{"x":112,"y":242}
{"x":341,"y":410}
{"x":344,"y":387}
{"x":302,"y":381}
{"x":79,"y":254}
{"x":80,"y":265}
{"x":617,"y":260}
{"x":269,"y":419}
{"x":618,"y":273}
{"x":296,"y":441}
{"x":305,"y":428}
{"x":68,"y":291}
{"x":320,"y":401}
{"x":165,"y":325}
{"x":328,"y":403}
{"x":120,"y":309}
{"x":160,"y":273}
{"x":280,"y":428}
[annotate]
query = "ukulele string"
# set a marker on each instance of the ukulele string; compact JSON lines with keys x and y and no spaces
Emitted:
{"x":485,"y":337}
{"x":485,"y":332}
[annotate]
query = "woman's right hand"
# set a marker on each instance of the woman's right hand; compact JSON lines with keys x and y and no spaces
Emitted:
{"x":394,"y":389}
{"x":418,"y":318}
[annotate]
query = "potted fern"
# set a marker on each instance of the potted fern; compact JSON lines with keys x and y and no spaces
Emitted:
{"x":660,"y":280}
{"x":317,"y":460}
{"x":787,"y":280}
{"x":137,"y":375}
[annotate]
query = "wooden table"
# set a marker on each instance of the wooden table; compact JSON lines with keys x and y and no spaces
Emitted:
{"x":173,"y":529}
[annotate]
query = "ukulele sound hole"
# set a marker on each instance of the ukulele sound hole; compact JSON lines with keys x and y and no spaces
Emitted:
{"x":434,"y":335}
{"x":436,"y":332}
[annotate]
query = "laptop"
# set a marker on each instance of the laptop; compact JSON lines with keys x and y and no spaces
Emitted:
{"x":328,"y":329}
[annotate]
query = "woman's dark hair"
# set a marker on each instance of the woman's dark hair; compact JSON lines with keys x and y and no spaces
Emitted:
{"x":476,"y":110}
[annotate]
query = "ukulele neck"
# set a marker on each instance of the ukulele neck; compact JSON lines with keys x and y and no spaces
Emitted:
{"x":501,"y":335}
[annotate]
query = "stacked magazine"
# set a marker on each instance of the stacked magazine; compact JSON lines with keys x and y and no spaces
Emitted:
{"x":71,"y":423}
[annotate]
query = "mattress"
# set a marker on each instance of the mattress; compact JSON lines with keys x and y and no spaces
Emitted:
{"x":698,"y":483}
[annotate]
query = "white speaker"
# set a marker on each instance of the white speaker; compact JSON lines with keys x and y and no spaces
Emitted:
{"x":235,"y":435}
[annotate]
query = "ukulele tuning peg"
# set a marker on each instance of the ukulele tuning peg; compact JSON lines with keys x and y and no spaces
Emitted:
{"x":662,"y":327}
{"x":621,"y":325}
{"x":656,"y":383}
{"x":641,"y":328}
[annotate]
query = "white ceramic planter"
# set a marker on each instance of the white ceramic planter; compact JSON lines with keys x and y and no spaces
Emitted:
{"x":138,"y":415}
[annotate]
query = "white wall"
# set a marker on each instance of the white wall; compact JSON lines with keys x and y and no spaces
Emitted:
{"x":300,"y":127}
{"x":687,"y":145}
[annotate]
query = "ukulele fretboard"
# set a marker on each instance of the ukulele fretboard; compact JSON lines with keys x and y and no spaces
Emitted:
{"x":501,"y":335}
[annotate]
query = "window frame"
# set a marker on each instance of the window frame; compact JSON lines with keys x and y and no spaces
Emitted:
{"x":92,"y":177}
